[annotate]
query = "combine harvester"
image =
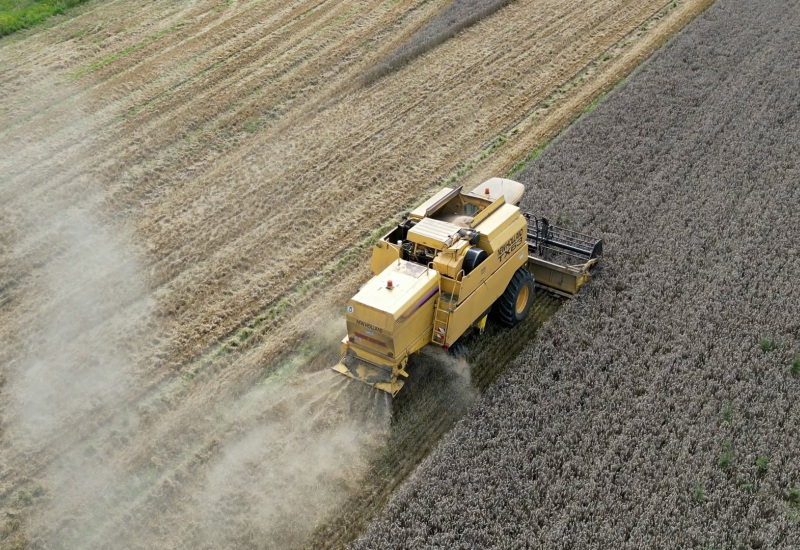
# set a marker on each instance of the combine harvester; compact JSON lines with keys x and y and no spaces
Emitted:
{"x":451,"y":262}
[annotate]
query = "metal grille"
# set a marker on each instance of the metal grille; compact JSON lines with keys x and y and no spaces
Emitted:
{"x":547,"y":240}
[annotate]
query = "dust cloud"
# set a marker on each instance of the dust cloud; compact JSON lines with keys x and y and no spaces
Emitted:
{"x":76,"y":328}
{"x":74,"y":323}
{"x":77,"y":373}
{"x":276,"y":482}
{"x":303,"y":441}
{"x":89,"y":294}
{"x":455,"y":374}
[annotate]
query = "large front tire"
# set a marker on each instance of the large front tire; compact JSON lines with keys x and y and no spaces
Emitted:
{"x":514,"y":304}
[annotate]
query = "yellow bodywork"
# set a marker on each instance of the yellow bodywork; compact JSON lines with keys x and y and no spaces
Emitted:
{"x":439,"y":271}
{"x":429,"y":297}
{"x":388,"y":320}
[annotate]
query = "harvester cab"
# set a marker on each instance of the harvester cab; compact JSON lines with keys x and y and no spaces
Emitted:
{"x":444,"y":267}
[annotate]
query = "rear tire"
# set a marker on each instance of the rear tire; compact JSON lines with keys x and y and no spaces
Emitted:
{"x":512,"y":307}
{"x":459,"y":351}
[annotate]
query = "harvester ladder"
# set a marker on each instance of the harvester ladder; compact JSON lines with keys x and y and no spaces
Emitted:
{"x":443,"y":310}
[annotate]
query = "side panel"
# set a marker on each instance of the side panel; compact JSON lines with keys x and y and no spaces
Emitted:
{"x":413,"y":329}
{"x":497,"y":224}
{"x":510,"y":244}
{"x":484,"y":296}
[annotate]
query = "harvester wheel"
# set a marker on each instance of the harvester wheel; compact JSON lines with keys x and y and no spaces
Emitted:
{"x":513,"y":305}
{"x":459,"y":351}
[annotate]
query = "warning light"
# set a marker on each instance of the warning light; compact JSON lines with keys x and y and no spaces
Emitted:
{"x":486,"y":190}
{"x":389,"y":284}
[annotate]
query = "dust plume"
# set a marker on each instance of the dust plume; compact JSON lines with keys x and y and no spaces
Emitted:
{"x":455,"y":372}
{"x":302,"y":441}
{"x":78,"y":373}
{"x":84,"y":466}
{"x":74,"y":327}
{"x":275,"y":482}
{"x":76,"y":360}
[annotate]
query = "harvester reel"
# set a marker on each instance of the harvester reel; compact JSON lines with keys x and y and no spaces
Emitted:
{"x":513,"y":305}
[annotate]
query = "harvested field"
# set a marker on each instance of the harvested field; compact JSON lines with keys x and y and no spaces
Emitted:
{"x":187,"y":193}
{"x":455,"y":17}
{"x":660,"y":408}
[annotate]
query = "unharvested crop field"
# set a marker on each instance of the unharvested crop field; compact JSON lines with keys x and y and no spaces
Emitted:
{"x":660,"y":409}
{"x":187,"y":190}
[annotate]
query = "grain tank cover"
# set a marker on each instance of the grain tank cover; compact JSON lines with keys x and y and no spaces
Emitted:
{"x":500,"y":187}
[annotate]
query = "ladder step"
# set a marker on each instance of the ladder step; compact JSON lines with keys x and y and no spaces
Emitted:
{"x":441,"y":318}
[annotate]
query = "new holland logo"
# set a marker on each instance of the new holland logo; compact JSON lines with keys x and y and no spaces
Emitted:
{"x":511,"y":245}
{"x":368,"y":326}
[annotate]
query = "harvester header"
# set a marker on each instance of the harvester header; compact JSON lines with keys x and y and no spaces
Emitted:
{"x":453,"y":260}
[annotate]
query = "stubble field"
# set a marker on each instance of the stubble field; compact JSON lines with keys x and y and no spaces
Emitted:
{"x":660,"y":408}
{"x":187,"y":192}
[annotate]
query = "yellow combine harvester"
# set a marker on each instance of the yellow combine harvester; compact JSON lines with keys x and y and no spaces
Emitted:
{"x":440,"y":272}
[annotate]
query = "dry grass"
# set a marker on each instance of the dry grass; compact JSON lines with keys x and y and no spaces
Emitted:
{"x":457,"y":16}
